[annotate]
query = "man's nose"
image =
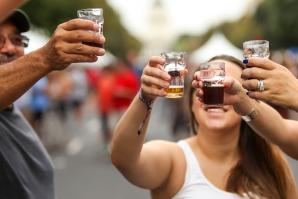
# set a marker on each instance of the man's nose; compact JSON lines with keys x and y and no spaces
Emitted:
{"x":8,"y":48}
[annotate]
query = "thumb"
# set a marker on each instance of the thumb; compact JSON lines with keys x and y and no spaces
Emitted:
{"x":232,"y":86}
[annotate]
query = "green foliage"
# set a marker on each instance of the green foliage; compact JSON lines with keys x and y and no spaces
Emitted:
{"x":47,"y":14}
{"x":279,"y":19}
{"x":274,"y":20}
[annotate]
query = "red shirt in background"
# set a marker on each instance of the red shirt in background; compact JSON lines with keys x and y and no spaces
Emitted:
{"x":125,"y":88}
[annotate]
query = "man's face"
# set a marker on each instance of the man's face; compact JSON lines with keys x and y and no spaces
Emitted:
{"x":11,"y":44}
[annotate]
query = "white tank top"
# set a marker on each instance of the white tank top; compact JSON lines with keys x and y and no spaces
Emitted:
{"x":196,"y":185}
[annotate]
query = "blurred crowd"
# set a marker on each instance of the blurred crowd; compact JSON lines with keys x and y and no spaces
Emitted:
{"x":65,"y":93}
{"x":111,"y":88}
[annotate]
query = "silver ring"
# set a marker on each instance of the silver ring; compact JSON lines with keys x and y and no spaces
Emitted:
{"x":261,"y":85}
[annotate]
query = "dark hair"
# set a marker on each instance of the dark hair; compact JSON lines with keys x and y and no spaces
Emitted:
{"x":261,"y":169}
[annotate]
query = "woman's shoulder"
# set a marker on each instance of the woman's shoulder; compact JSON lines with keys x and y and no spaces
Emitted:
{"x":167,"y":145}
{"x":163,"y":147}
{"x":162,"y":144}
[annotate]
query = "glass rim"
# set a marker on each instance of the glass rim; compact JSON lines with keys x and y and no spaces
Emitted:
{"x":173,"y":55}
{"x":219,"y":63}
{"x":173,"y":52}
{"x":256,"y":42}
{"x":90,"y":9}
{"x":98,"y":10}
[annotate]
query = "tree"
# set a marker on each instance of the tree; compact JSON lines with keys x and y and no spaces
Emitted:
{"x":279,"y":20}
{"x":47,"y":14}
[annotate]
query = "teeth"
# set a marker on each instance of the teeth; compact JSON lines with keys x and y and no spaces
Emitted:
{"x":215,"y":110}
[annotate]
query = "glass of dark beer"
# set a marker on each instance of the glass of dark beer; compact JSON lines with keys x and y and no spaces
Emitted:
{"x":212,"y":75}
{"x":256,"y":48}
{"x":174,"y":66}
{"x":95,"y":15}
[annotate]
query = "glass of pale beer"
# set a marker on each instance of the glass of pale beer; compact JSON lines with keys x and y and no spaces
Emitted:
{"x":175,"y":66}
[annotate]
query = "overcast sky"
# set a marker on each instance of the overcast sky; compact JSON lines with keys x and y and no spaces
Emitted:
{"x":187,"y":16}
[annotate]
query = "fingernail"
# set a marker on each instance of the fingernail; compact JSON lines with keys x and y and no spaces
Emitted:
{"x":245,"y":61}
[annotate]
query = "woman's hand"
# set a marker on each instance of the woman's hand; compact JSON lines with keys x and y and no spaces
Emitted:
{"x":154,"y":79}
{"x":280,"y":85}
{"x":232,"y":88}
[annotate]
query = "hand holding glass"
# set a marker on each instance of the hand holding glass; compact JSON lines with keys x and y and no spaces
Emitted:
{"x":256,"y":48}
{"x":212,"y":75}
{"x":95,"y":15}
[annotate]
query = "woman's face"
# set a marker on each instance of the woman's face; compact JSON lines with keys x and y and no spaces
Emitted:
{"x":219,"y":118}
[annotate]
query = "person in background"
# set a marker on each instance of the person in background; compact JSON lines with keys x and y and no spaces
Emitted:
{"x":79,"y":92}
{"x":39,"y":104}
{"x":105,"y":89}
{"x":224,"y":159}
{"x":26,"y":170}
{"x":126,"y":86}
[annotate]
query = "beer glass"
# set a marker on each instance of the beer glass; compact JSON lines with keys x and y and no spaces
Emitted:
{"x":256,"y":48}
{"x":212,"y":75}
{"x":95,"y":15}
{"x":174,"y":66}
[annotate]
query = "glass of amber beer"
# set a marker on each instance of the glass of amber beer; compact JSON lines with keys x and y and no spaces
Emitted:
{"x":174,"y":66}
{"x":212,"y":75}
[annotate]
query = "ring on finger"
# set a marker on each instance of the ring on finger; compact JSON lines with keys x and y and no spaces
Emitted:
{"x":261,"y":85}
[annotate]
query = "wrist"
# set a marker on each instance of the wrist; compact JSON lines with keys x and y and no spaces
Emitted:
{"x":246,"y":107}
{"x":245,"y":104}
{"x":145,"y":99}
{"x":41,"y":60}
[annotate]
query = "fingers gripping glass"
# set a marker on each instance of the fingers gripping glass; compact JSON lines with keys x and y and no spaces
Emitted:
{"x":213,"y":75}
{"x":17,"y":40}
{"x":95,"y":15}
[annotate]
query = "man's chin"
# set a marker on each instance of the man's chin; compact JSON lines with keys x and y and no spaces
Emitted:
{"x":5,"y":60}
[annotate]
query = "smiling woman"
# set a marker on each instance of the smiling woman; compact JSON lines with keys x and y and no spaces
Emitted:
{"x":224,"y":159}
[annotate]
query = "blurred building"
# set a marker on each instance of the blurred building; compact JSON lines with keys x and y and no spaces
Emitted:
{"x":158,"y":36}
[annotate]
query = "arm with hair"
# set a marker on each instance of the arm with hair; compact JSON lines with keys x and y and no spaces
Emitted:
{"x":65,"y":47}
{"x":18,"y":76}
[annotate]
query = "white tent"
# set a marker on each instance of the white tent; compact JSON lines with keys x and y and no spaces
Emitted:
{"x":216,"y":45}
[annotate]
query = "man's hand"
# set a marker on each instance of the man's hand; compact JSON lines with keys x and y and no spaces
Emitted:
{"x":67,"y":46}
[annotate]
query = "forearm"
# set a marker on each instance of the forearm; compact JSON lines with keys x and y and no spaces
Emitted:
{"x":127,"y":140}
{"x":267,"y":123}
{"x":18,"y":76}
{"x":293,"y":101}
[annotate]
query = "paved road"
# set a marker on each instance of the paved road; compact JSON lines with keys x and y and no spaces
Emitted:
{"x":83,"y":169}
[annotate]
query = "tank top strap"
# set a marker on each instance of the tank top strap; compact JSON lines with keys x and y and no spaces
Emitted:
{"x":192,"y":166}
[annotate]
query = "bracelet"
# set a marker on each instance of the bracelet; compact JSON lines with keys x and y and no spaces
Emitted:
{"x":252,"y":115}
{"x":148,"y":102}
